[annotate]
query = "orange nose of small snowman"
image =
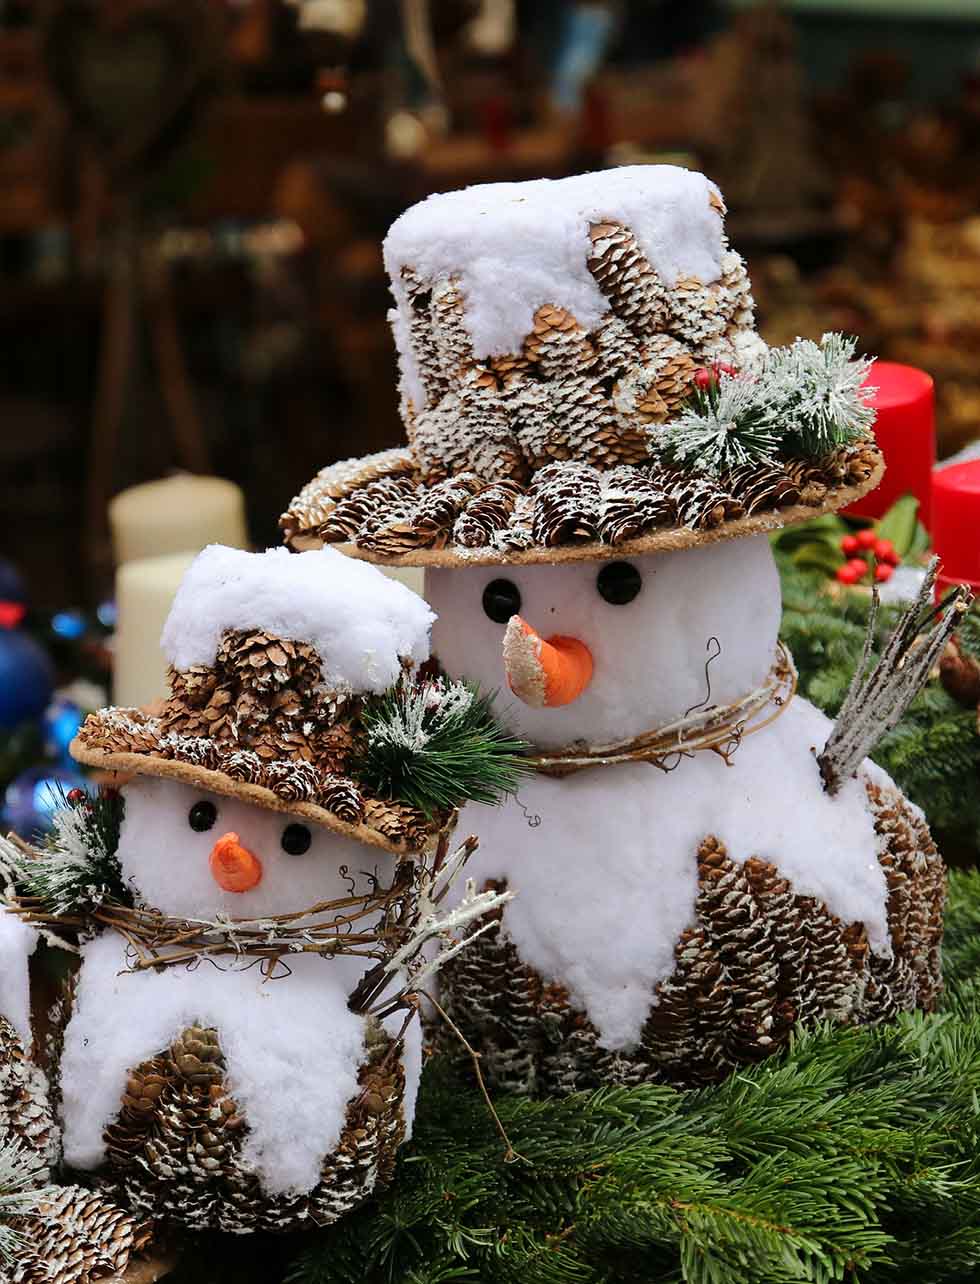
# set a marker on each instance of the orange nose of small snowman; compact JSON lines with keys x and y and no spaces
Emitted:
{"x":545,"y":673}
{"x":234,"y":867}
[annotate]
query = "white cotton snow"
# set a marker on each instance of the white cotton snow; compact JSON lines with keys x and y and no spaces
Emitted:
{"x":292,"y":1050}
{"x":18,"y":941}
{"x":604,"y":862}
{"x":515,"y":246}
{"x":360,"y":621}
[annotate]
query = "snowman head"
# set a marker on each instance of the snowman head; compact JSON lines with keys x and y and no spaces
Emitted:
{"x":600,"y":651}
{"x":190,"y":853}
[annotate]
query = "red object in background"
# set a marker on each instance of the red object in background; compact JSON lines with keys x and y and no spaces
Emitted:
{"x":906,"y":432}
{"x":956,"y":525}
{"x":11,"y":614}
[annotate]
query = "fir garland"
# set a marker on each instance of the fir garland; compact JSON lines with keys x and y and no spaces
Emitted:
{"x":436,"y":744}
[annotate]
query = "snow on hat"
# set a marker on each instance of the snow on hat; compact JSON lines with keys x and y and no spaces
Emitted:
{"x":272,"y":655}
{"x":580,"y":373}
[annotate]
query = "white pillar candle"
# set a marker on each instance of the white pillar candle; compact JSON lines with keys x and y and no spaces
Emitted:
{"x":177,"y":514}
{"x":413,"y":576}
{"x":144,"y":593}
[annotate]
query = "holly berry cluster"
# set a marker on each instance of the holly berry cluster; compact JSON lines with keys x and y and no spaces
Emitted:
{"x":867,"y":555}
{"x":707,"y":378}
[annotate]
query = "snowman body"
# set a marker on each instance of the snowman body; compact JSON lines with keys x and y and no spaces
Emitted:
{"x":676,"y":923}
{"x":215,"y":1096}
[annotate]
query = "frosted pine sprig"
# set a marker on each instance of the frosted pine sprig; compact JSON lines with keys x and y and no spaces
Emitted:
{"x":815,"y":396}
{"x":22,"y":1189}
{"x":77,"y":870}
{"x":722,"y":429}
{"x":436,"y":744}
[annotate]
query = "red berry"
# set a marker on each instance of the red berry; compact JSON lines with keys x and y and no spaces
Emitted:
{"x":75,"y":796}
{"x":849,"y":545}
{"x":866,"y":538}
{"x":846,"y":574}
{"x":705,"y":379}
{"x":884,"y":572}
{"x":885,"y":552}
{"x":723,"y":368}
{"x":859,"y":566}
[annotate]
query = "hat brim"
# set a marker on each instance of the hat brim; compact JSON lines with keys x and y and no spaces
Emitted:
{"x":129,"y":763}
{"x":659,"y":541}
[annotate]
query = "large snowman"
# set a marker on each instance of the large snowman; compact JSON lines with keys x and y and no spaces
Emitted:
{"x":599,"y":442}
{"x":224,"y":1093}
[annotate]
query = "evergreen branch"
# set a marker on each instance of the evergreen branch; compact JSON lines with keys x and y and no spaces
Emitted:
{"x":816,"y":394}
{"x":436,"y":744}
{"x":722,"y":427}
{"x":23,"y":1186}
{"x":77,"y":870}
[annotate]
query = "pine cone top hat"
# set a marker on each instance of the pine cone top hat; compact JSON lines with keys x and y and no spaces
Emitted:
{"x":580,"y":371}
{"x":272,"y":657}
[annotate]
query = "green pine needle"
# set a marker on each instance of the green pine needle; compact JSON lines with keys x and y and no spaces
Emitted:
{"x":77,"y":869}
{"x":436,"y":745}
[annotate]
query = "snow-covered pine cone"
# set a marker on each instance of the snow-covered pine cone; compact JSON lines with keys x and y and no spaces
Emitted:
{"x":26,"y":1110}
{"x":174,"y":1151}
{"x":78,"y":1236}
{"x":758,"y":960}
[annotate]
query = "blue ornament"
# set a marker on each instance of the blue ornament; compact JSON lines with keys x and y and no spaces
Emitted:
{"x":33,"y":797}
{"x":62,"y":719}
{"x":12,"y":588}
{"x":26,"y":678}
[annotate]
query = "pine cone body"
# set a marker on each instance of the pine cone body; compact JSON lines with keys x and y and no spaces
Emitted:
{"x":174,"y":1151}
{"x":758,"y":959}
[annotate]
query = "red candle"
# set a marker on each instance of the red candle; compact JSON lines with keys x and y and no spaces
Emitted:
{"x":906,"y":432}
{"x":956,"y":524}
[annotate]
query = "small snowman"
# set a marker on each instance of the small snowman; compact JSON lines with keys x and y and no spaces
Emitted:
{"x":600,"y":443}
{"x":243,"y":1088}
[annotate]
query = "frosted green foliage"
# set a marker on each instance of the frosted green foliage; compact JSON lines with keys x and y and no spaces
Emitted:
{"x":815,"y":394}
{"x":720,"y":430}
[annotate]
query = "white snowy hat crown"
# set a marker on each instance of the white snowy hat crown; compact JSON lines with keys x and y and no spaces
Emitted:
{"x":580,"y":371}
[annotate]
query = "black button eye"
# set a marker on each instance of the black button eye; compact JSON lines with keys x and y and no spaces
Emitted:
{"x":202,"y":816}
{"x":501,"y":600}
{"x":296,"y":840}
{"x":618,"y":583}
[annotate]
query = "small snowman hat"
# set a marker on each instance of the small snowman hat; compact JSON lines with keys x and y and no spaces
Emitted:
{"x":581,"y":378}
{"x":271,"y":656}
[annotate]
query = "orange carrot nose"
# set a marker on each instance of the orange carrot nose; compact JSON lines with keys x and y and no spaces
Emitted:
{"x":545,"y":673}
{"x":234,"y":867}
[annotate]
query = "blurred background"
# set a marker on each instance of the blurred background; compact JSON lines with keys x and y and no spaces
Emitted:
{"x":194,"y":194}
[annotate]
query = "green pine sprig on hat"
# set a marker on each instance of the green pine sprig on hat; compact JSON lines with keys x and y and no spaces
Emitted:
{"x":725,"y":424}
{"x":807,"y":400}
{"x":435,"y":745}
{"x":816,"y":394}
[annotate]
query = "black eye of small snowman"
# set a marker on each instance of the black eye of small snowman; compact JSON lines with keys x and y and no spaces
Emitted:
{"x":296,"y":840}
{"x":202,"y":816}
{"x":501,"y":600}
{"x":618,"y":583}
